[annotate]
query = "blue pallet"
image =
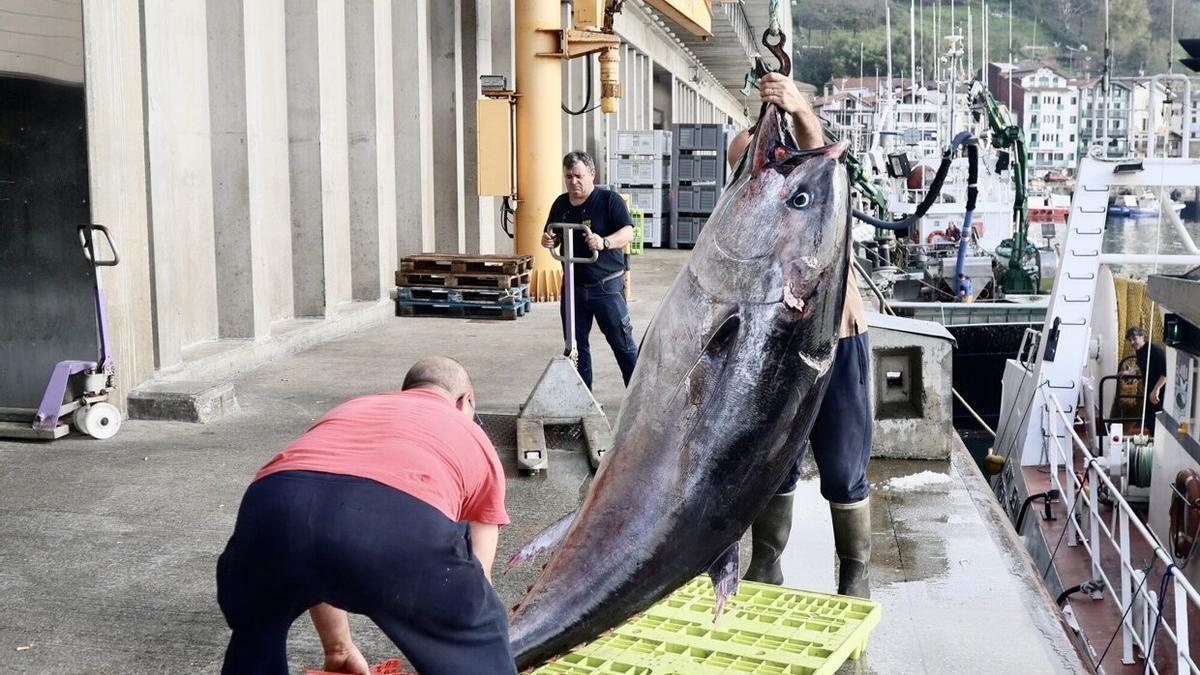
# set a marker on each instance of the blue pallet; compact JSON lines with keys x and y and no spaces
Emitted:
{"x":507,"y":297}
{"x":463,"y":310}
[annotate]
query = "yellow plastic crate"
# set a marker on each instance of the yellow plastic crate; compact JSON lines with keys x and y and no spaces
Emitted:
{"x":639,"y":231}
{"x":763,"y":629}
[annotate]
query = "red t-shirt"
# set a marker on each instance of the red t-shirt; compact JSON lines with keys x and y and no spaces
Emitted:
{"x":414,"y":441}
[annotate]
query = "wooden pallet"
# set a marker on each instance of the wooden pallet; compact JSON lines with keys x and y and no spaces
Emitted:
{"x":464,"y":311}
{"x":453,"y":263}
{"x":474,"y":296}
{"x":462,"y":280}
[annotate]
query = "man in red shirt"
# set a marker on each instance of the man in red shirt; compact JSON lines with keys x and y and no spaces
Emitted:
{"x":390,"y":506}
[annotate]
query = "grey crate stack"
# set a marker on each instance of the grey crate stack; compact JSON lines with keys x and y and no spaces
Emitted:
{"x":698,"y":170}
{"x":642,"y":170}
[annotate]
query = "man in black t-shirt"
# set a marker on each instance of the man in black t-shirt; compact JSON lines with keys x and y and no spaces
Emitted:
{"x":599,"y":286}
{"x":1152,"y":362}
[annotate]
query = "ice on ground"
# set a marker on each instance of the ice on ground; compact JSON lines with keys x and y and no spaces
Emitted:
{"x":916,"y":481}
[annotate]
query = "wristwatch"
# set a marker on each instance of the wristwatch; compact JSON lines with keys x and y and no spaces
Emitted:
{"x":606,"y":244}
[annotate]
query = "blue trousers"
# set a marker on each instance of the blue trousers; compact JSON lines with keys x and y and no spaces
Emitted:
{"x":303,"y":538}
{"x":604,"y":302}
{"x":841,"y":435}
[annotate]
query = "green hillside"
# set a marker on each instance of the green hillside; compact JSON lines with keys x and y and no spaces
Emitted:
{"x":828,"y":34}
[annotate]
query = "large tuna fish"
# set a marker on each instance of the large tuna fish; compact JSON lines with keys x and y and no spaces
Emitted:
{"x":731,"y":373}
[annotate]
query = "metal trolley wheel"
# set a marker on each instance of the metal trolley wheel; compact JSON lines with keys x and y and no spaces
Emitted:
{"x":99,"y":420}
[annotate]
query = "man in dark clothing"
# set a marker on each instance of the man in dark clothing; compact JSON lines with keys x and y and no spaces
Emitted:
{"x":599,"y":286}
{"x":1153,"y":364}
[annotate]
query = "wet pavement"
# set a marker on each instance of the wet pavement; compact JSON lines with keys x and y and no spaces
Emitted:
{"x":109,"y":548}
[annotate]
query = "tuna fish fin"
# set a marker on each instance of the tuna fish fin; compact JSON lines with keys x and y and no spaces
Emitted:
{"x":724,"y":574}
{"x":545,"y":540}
{"x":712,"y":359}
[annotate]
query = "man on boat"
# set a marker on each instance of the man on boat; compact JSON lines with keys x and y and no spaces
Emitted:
{"x":841,"y":435}
{"x":1152,"y":362}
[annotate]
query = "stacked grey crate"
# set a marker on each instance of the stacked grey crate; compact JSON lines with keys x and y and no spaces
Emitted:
{"x":698,"y":170}
{"x":643,"y":171}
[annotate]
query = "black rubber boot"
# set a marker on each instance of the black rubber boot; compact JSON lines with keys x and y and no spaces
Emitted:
{"x":852,"y":539}
{"x":769,"y":535}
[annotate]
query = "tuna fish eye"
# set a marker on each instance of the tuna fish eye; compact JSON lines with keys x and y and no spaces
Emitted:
{"x":800,"y":200}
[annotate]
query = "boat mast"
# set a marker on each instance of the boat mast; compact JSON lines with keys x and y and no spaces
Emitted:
{"x":970,"y":42}
{"x":1104,"y":82}
{"x":888,"y":32}
{"x":1011,"y":66}
{"x":1171,"y":42}
{"x":912,"y":59}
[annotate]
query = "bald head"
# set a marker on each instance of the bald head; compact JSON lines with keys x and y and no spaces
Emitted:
{"x":441,"y":372}
{"x":737,"y":147}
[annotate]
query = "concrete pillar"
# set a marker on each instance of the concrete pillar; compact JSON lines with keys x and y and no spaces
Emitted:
{"x":179,"y":152}
{"x":364,"y":162}
{"x":335,"y":152}
{"x":413,"y":103}
{"x":480,"y":213}
{"x":267,"y":152}
{"x":385,"y":144}
{"x":240,"y":259}
{"x":648,"y":91}
{"x":445,"y":47}
{"x":318,"y":153}
{"x":304,"y":157}
{"x":117,"y":171}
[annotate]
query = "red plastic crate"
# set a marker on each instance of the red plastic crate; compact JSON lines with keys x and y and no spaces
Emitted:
{"x":389,"y":667}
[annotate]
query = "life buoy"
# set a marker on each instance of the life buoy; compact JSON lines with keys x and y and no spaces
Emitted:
{"x":1185,"y":512}
{"x":940,"y":234}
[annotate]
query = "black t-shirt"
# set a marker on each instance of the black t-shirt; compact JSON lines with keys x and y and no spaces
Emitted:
{"x":1157,"y":367}
{"x":605,"y":213}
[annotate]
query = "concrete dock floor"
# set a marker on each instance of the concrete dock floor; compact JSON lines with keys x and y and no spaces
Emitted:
{"x":109,"y":547}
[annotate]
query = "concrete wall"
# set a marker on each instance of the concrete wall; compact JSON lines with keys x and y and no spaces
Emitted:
{"x":931,"y":435}
{"x":43,"y":39}
{"x":263,"y":161}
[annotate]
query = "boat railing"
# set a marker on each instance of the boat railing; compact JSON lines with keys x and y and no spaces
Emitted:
{"x":1142,"y":608}
{"x":1028,"y":351}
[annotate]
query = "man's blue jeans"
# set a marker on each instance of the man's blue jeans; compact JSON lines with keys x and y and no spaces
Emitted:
{"x":604,"y":302}
{"x":841,"y":435}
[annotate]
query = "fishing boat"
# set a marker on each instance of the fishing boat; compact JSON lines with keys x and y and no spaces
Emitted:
{"x":1104,"y":493}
